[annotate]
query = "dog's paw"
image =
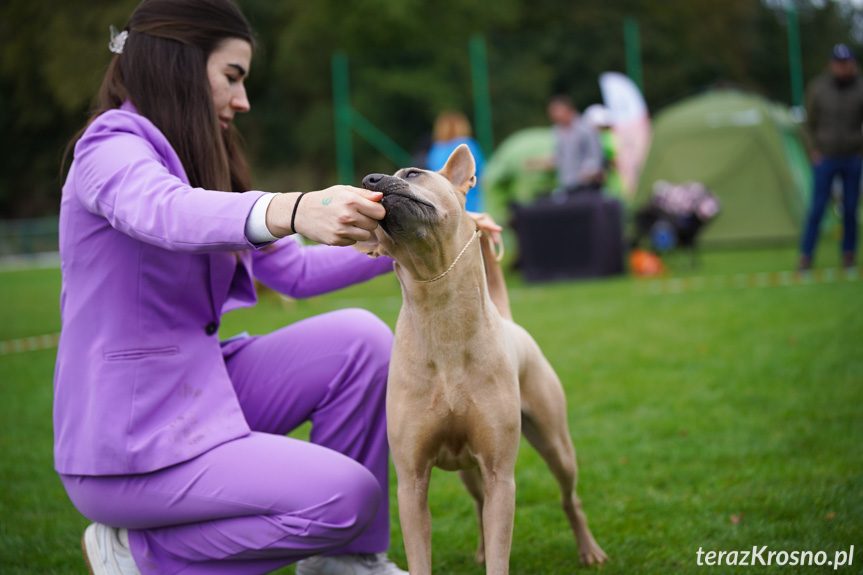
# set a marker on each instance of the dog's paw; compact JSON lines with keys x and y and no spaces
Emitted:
{"x":593,"y":555}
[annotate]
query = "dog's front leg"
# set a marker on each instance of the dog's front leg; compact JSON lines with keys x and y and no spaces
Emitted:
{"x":498,"y":515}
{"x":415,"y":520}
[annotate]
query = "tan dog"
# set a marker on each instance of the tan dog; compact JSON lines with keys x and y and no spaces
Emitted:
{"x":464,"y":380}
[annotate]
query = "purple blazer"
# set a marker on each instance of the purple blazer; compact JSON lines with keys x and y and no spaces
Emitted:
{"x":149,"y":266}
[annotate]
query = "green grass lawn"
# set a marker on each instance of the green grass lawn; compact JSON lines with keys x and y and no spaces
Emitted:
{"x":721,"y":418}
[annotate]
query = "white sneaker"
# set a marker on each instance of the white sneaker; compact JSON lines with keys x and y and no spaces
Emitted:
{"x":106,"y":551}
{"x":361,"y":564}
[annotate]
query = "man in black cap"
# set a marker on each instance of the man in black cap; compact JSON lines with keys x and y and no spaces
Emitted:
{"x":834,"y":110}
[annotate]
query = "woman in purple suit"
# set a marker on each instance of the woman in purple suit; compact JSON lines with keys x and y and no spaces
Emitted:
{"x":171,"y":441}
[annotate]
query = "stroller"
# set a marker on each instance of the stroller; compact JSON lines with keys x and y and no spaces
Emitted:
{"x":674,"y":216}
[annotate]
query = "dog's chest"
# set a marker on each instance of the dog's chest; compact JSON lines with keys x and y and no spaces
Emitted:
{"x":454,"y":405}
{"x":452,"y":372}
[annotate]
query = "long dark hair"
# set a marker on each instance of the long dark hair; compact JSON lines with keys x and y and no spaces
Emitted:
{"x":163,"y":72}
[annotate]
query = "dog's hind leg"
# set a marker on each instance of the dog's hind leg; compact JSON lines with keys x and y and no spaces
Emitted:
{"x":559,"y":455}
{"x":472,"y":479}
{"x":544,"y":425}
{"x":494,"y":276}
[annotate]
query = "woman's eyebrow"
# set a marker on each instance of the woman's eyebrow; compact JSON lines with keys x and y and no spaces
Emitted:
{"x":240,"y":69}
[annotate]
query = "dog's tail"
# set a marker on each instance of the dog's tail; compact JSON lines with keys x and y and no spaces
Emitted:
{"x":494,"y":277}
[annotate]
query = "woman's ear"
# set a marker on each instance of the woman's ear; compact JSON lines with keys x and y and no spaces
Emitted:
{"x":460,"y":169}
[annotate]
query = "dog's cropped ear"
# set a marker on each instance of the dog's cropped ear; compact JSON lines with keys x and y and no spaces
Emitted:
{"x":460,"y":169}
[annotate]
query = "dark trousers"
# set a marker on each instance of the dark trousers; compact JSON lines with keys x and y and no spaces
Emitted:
{"x":849,"y":168}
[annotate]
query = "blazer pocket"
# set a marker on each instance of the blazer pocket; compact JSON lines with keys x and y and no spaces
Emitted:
{"x":141,"y":353}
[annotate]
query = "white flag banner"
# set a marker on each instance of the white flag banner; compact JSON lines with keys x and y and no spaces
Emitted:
{"x":631,"y":125}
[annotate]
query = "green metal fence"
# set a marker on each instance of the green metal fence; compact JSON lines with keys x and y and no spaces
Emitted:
{"x":29,"y":236}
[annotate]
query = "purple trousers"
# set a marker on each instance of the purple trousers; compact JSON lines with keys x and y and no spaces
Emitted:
{"x":263,"y":501}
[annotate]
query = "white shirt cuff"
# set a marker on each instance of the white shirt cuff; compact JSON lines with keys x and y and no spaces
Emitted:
{"x":256,"y":223}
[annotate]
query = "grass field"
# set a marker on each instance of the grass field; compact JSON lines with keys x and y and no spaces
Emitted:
{"x":715,"y":415}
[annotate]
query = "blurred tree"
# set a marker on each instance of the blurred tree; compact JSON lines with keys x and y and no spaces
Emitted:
{"x":52,"y":57}
{"x":408,"y":60}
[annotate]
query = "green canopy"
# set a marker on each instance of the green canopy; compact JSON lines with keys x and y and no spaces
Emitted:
{"x":748,"y":151}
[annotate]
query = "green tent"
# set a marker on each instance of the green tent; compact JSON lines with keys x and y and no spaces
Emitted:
{"x":748,"y":151}
{"x":505,"y":179}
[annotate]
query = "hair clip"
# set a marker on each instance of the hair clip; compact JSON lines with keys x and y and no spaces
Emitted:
{"x":118,"y":40}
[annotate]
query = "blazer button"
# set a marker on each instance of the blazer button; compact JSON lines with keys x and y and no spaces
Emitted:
{"x":211,"y":328}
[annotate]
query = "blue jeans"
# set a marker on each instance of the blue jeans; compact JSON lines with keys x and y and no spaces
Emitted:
{"x":849,"y":167}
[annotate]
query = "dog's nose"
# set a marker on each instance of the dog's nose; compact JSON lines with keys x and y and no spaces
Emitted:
{"x":372,"y":180}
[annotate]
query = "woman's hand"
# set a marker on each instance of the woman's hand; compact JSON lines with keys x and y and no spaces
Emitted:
{"x":486,"y":223}
{"x":336,"y":216}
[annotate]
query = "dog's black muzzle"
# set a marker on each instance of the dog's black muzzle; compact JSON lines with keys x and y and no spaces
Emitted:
{"x":372,"y":181}
{"x":401,"y":204}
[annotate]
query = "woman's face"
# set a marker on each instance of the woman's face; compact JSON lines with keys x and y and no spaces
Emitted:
{"x":227,"y":68}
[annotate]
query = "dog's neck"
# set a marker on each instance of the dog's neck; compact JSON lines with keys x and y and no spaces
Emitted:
{"x":429,"y":262}
{"x":457,"y":301}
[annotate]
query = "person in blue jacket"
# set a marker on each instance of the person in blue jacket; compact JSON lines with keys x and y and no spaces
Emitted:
{"x":452,"y":129}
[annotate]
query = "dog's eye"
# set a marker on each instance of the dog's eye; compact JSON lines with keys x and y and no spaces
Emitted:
{"x":412,"y":174}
